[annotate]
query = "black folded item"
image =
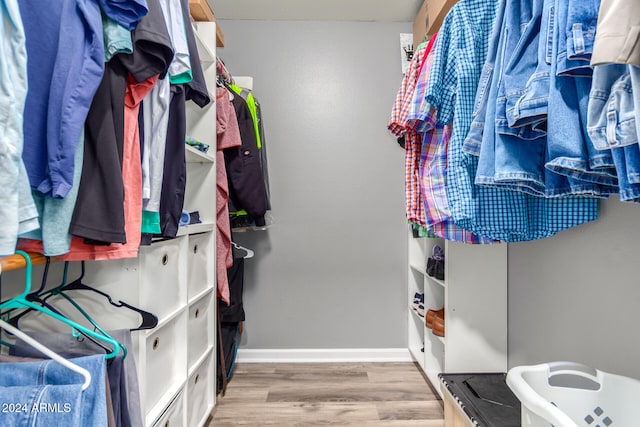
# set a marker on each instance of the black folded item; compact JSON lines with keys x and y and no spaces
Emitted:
{"x":435,"y":268}
{"x":194,"y":217}
{"x":485,"y":398}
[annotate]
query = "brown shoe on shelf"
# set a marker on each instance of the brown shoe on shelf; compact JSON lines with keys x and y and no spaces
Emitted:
{"x":438,"y":327}
{"x":432,"y":314}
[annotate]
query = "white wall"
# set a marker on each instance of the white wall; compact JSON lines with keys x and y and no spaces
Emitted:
{"x":331,"y":271}
{"x":576,"y":296}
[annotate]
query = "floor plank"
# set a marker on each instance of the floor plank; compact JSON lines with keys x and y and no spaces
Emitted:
{"x":423,"y":410}
{"x":348,"y":392}
{"x":328,"y":394}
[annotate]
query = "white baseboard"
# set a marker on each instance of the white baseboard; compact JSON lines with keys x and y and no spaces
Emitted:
{"x":313,"y":355}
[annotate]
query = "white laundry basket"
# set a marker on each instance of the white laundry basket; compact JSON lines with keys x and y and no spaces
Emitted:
{"x":567,"y":394}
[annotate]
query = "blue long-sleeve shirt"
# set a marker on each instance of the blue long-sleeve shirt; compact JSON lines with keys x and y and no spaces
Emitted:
{"x":65,"y":63}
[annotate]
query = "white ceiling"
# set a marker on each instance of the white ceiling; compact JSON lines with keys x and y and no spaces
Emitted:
{"x":317,"y":10}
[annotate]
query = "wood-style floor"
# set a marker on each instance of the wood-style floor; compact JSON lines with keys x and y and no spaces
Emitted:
{"x":322,"y":394}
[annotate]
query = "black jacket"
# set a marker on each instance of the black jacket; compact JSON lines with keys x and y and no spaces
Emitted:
{"x":244,"y":171}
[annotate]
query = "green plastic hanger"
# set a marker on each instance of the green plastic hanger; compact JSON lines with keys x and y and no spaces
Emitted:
{"x":21,"y":302}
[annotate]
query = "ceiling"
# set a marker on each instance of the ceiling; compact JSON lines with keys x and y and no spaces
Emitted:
{"x":318,"y":10}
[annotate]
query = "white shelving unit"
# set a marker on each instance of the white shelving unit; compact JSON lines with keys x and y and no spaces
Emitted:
{"x":474,"y":296}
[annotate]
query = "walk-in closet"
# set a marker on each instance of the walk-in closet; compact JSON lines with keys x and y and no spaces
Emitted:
{"x":295,"y":213}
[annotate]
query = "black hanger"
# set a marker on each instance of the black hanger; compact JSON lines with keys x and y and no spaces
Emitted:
{"x":149,"y":320}
{"x":35,"y":298}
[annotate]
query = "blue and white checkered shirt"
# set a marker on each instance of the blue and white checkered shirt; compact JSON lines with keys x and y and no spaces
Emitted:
{"x":498,"y":214}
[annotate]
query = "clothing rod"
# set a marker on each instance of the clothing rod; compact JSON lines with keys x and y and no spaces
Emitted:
{"x":17,"y":262}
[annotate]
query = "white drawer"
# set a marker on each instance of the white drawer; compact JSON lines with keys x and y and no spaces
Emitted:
{"x":163,"y":277}
{"x":200,"y":326}
{"x":200,"y":393}
{"x":174,"y":415}
{"x":200,"y":259}
{"x":165,"y":358}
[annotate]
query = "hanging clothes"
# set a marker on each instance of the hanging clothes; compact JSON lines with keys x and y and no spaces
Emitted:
{"x":228,"y":136}
{"x":397,"y":126}
{"x":241,"y":216}
{"x":174,"y":179}
{"x":461,"y":50}
{"x":191,"y":85}
{"x":432,"y":166}
{"x":151,"y":57}
{"x":244,"y":172}
{"x":617,"y":39}
{"x":65,"y":65}
{"x":121,"y":371}
{"x":18,"y":213}
{"x":31,"y":383}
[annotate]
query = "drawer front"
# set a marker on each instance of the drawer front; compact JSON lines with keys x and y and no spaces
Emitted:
{"x":165,"y":358}
{"x":163,"y":276}
{"x":200,"y":327}
{"x":201,"y":259}
{"x":174,"y":415}
{"x":200,"y":393}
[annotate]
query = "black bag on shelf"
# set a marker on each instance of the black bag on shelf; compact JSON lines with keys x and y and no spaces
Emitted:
{"x":435,"y":263}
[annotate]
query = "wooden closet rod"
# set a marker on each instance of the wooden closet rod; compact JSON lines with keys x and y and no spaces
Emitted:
{"x":16,"y":262}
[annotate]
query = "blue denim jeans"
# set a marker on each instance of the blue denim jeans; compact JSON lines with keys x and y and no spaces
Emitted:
{"x":581,"y":30}
{"x":507,"y":161}
{"x":613,"y":124}
{"x":523,"y":28}
{"x":532,"y":106}
{"x":634,"y":73}
{"x":483,"y":126}
{"x":571,"y":151}
{"x":473,"y":140}
{"x":45,"y":394}
{"x":123,"y":379}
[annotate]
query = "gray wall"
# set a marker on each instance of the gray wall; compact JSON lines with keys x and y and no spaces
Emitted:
{"x":576,"y":296}
{"x":331,"y":271}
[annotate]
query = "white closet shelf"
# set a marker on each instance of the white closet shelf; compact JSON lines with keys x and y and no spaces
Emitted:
{"x":441,"y":339}
{"x":203,"y":227}
{"x":200,"y":295}
{"x":436,"y":281}
{"x":415,"y":312}
{"x":164,"y":402}
{"x":205,"y":32}
{"x":162,"y":322}
{"x":198,"y":363}
{"x":419,"y":268}
{"x":194,"y":155}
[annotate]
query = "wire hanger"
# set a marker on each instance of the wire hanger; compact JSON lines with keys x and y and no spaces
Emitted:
{"x":21,"y":302}
{"x":249,"y":252}
{"x":46,"y":351}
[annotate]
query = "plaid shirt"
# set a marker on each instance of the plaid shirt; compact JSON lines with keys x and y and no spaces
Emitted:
{"x":398,"y":127}
{"x":495,"y":213}
{"x":433,"y":164}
